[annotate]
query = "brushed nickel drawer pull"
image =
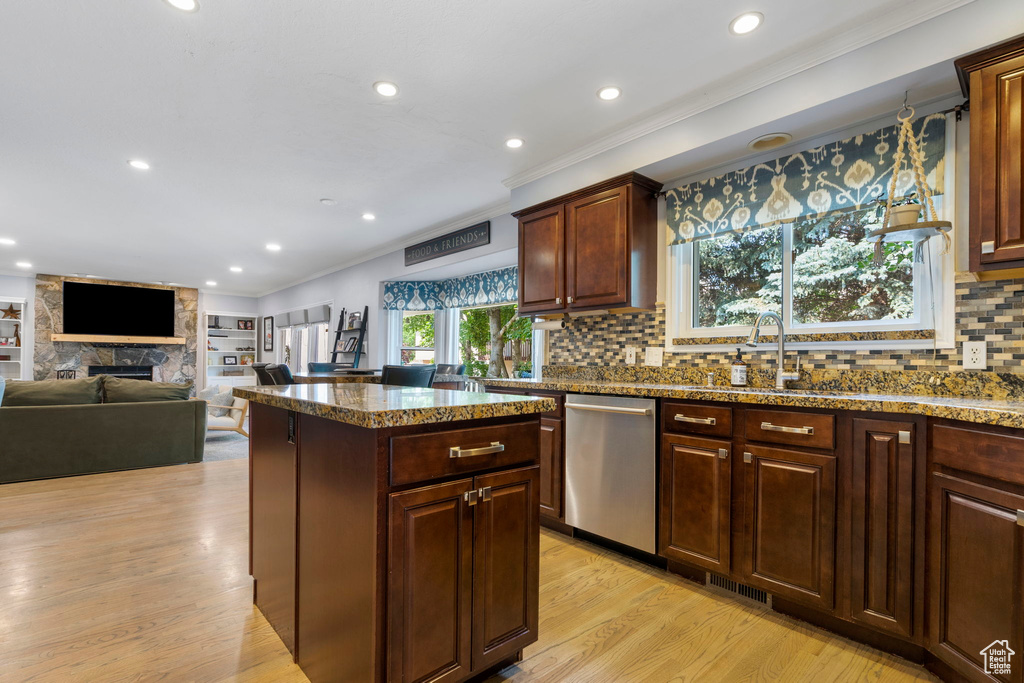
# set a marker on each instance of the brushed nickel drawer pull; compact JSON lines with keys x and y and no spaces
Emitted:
{"x":1020,"y":517}
{"x":485,"y":494}
{"x":748,"y":457}
{"x":769,"y":427}
{"x":460,"y":452}
{"x":471,"y":497}
{"x":723,"y":453}
{"x":695,"y":420}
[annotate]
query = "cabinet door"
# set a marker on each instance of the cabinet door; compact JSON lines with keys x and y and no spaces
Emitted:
{"x":597,"y":254}
{"x":790,"y":524}
{"x":542,"y":261}
{"x":506,"y":561}
{"x":883,"y":523}
{"x":552,"y":466}
{"x":997,"y":168}
{"x":976,"y":574}
{"x":272,"y":501}
{"x":695,"y":501}
{"x":430,"y":583}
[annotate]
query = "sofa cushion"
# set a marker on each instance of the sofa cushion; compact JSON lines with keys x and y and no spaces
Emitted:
{"x":54,"y":392}
{"x":119,"y":390}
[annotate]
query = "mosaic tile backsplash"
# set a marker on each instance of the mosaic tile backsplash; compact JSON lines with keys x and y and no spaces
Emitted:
{"x":985,"y":311}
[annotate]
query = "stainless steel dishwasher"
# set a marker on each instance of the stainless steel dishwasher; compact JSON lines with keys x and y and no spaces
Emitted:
{"x":610,"y":462}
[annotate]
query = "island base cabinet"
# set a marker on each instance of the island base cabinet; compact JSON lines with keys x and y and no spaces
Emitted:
{"x":976,"y":576}
{"x":272,"y":510}
{"x":552,"y":466}
{"x":463,"y":575}
{"x":790,"y":519}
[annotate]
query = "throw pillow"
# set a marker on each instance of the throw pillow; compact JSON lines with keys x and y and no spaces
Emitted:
{"x":53,"y":392}
{"x":222,"y":399}
{"x":119,"y":390}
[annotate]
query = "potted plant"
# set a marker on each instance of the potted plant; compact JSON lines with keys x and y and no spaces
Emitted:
{"x":905,"y":210}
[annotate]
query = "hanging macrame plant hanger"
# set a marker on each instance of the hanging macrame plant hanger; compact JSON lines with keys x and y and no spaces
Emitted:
{"x":921,"y":231}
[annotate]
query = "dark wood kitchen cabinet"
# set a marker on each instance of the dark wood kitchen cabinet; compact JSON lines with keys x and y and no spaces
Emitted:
{"x":993,"y":79}
{"x":790,"y":524}
{"x":552,"y":467}
{"x":976,"y":574}
{"x":696,"y":485}
{"x":595,"y":248}
{"x":463,"y":579}
{"x":884,"y":529}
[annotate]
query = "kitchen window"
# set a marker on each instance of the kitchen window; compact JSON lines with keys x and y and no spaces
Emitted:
{"x":417,"y":338}
{"x":817,"y":273}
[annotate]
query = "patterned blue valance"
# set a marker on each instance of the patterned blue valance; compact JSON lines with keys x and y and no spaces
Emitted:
{"x":482,"y":289}
{"x":841,"y":176}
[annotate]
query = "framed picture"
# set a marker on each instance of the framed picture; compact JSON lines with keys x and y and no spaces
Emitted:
{"x":249,"y":324}
{"x":268,"y":333}
{"x":241,"y":324}
{"x":247,"y":358}
{"x":230,"y":360}
{"x":353,"y":320}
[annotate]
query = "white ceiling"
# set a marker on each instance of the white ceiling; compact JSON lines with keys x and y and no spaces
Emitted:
{"x":250,"y":112}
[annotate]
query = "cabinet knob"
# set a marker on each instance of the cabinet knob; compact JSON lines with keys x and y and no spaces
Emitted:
{"x":471,"y":497}
{"x":748,"y":457}
{"x":558,"y":300}
{"x":1020,"y":517}
{"x":904,"y":437}
{"x":570,"y":299}
{"x":988,"y":247}
{"x":723,"y":453}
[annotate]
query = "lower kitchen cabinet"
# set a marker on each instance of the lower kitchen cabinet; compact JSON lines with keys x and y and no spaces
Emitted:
{"x":696,"y":483}
{"x":463,"y":581}
{"x":790,"y":524}
{"x":552,"y":465}
{"x":884,"y":521}
{"x":976,"y":574}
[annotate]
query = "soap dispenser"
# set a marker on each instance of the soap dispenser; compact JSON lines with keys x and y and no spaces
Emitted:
{"x":739,"y":370}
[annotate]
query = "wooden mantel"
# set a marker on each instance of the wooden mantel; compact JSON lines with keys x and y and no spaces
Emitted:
{"x":116,"y":339}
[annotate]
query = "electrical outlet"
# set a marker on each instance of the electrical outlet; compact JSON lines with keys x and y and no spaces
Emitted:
{"x":975,"y":355}
{"x":630,"y":355}
{"x":654,"y":356}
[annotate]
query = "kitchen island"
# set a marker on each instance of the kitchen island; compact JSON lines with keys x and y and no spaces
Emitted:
{"x":394,"y":531}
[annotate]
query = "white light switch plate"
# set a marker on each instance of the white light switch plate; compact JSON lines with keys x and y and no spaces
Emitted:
{"x":654,"y":356}
{"x":630,"y":355}
{"x":975,"y":355}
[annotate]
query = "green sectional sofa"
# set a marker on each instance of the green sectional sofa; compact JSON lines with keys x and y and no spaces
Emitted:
{"x":61,"y":428}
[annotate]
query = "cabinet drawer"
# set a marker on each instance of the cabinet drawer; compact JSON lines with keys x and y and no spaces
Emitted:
{"x":422,"y":457}
{"x":998,"y":456}
{"x":811,"y":430}
{"x":697,"y":419}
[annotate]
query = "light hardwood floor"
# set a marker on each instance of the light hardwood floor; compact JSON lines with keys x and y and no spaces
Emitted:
{"x":142,"y":576}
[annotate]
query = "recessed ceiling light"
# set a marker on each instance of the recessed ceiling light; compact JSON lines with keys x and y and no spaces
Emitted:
{"x":514,"y":143}
{"x":609,"y":93}
{"x":92,"y":276}
{"x":7,"y":241}
{"x":385,"y":88}
{"x":235,"y":269}
{"x":769,"y":141}
{"x":211,"y":283}
{"x":184,"y":5}
{"x":326,"y":201}
{"x":23,"y":264}
{"x":368,"y":217}
{"x":745,"y":23}
{"x":138,"y":164}
{"x":273,"y":247}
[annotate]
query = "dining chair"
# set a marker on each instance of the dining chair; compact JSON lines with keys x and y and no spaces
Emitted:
{"x":408,"y":375}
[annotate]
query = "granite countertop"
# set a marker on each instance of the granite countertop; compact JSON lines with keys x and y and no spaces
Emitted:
{"x":343,"y":378}
{"x":1001,"y":412}
{"x":375,"y":406}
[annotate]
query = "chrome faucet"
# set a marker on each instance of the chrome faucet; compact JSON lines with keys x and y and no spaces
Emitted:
{"x":781,"y":376}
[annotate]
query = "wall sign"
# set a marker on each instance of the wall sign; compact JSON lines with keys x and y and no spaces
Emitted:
{"x":467,"y":238}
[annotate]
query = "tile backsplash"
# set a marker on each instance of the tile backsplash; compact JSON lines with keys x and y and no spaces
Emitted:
{"x":985,"y":311}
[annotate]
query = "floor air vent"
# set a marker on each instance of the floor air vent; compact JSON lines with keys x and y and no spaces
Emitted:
{"x":735,"y":588}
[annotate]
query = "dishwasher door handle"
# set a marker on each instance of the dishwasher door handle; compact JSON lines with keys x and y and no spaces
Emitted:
{"x":609,"y":409}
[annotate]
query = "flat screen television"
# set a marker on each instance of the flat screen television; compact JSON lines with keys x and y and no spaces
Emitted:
{"x":118,"y":310}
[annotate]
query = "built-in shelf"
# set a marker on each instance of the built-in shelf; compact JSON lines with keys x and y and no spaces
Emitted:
{"x":116,"y":339}
{"x":11,"y":368}
{"x":227,"y":335}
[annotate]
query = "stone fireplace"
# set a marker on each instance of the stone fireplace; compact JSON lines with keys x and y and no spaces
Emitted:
{"x":144,"y":372}
{"x":165,"y":363}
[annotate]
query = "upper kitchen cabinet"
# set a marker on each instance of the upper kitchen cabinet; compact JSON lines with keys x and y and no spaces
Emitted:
{"x":595,"y":248}
{"x":993,"y":79}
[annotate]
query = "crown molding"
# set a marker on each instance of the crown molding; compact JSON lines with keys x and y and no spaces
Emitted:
{"x":898,"y":16}
{"x":435,"y":230}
